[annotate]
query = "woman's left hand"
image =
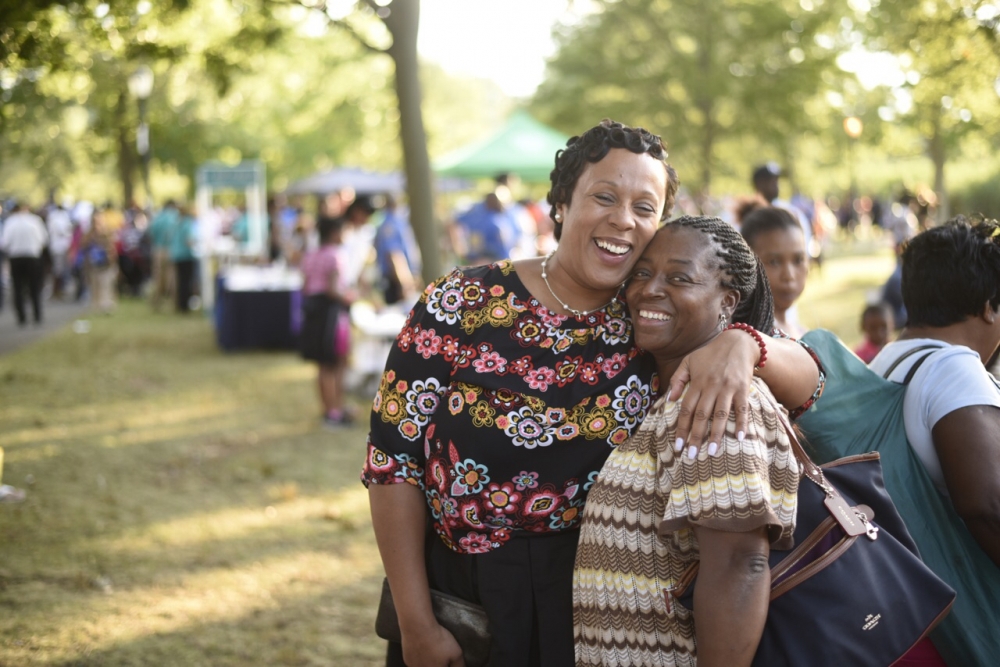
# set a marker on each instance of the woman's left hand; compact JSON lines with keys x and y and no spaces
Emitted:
{"x":720,"y":374}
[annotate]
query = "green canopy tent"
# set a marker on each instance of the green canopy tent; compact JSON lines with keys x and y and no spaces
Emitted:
{"x":523,"y":146}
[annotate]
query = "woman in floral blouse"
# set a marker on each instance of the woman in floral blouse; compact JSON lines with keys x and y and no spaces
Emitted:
{"x":505,"y":392}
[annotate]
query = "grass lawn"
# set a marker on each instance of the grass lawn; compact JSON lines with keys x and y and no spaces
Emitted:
{"x":185,"y":507}
{"x":837,"y":293}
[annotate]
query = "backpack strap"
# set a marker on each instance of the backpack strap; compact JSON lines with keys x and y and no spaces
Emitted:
{"x":915,"y":366}
{"x":908,"y":354}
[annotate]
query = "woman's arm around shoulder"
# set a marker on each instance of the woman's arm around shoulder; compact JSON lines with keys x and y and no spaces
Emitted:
{"x":720,"y":374}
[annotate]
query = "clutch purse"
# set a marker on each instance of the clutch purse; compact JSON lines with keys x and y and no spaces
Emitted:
{"x":466,"y":622}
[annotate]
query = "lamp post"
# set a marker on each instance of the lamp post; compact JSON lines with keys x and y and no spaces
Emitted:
{"x":140,"y":85}
{"x":853,"y":128}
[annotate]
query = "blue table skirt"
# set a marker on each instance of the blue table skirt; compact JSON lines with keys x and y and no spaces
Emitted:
{"x":258,"y":319}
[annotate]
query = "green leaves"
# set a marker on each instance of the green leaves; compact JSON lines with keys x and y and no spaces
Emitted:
{"x":701,"y":74}
{"x":266,"y":79}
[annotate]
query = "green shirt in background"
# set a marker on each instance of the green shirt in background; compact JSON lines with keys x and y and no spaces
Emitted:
{"x":161,"y":230}
{"x":184,"y":239}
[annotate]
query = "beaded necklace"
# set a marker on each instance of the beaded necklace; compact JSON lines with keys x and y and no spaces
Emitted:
{"x":578,"y":313}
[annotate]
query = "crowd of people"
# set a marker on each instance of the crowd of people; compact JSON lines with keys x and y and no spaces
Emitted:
{"x":89,"y":254}
{"x":81,"y":252}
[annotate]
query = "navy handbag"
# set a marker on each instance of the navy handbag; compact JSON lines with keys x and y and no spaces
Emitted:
{"x":853,"y":590}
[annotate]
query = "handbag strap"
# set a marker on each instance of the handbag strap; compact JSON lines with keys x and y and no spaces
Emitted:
{"x":854,"y":520}
{"x":906,"y":355}
{"x":809,"y":468}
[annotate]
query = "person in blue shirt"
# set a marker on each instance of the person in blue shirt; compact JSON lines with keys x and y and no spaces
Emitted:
{"x":183,"y":244}
{"x":397,"y":255}
{"x":486,"y":233}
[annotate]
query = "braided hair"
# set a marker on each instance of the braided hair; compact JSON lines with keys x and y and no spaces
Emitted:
{"x":592,"y":146}
{"x":742,"y":269}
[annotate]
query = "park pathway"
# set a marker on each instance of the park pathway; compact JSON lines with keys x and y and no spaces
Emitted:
{"x":56,"y":315}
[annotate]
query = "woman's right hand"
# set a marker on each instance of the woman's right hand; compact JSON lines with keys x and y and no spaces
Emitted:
{"x":432,"y":647}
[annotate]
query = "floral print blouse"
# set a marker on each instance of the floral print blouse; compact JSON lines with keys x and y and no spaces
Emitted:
{"x":501,"y":411}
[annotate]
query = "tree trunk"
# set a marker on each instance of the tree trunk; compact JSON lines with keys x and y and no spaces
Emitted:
{"x":706,"y":104}
{"x":403,"y":22}
{"x":938,"y":155}
{"x":126,"y":161}
{"x":707,"y":148}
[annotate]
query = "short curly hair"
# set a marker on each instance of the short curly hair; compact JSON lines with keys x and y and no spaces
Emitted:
{"x":951,"y":271}
{"x":592,"y":146}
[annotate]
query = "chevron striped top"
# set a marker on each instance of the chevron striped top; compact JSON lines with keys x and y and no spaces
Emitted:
{"x":637,"y":538}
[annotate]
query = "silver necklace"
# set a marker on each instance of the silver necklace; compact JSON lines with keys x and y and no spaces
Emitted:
{"x":578,"y":313}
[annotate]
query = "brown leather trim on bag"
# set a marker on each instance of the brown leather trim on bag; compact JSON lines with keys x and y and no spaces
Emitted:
{"x":801,"y":549}
{"x":934,"y":624}
{"x":855,"y":458}
{"x":814,"y":567}
{"x":815,"y":474}
{"x":685,"y":580}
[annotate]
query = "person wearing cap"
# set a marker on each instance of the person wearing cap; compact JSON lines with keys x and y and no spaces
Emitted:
{"x":23,"y":240}
{"x":765,"y":182}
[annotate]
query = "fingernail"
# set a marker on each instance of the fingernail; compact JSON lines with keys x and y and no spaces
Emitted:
{"x":713,"y":448}
{"x":740,"y":435}
{"x":692,"y":452}
{"x":679,"y":445}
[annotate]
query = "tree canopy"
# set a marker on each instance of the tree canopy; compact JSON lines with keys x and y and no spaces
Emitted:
{"x":700,"y":73}
{"x":736,"y":82}
{"x":949,"y":55}
{"x":233,"y":80}
{"x":305,"y":85}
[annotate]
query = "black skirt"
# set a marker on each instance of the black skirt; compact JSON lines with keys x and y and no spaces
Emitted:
{"x":325,"y":334}
{"x":526,"y":587}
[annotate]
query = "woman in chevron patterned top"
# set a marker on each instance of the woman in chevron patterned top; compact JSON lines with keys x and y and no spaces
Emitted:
{"x":655,"y":510}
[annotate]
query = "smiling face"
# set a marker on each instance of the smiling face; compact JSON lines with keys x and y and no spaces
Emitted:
{"x":783,"y":254}
{"x":676,"y":295}
{"x":614,"y":211}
